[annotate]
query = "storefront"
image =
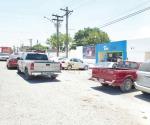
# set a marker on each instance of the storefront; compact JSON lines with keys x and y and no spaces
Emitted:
{"x":111,"y":52}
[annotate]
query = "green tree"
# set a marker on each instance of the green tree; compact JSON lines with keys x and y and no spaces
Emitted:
{"x":90,"y":36}
{"x":52,"y":41}
{"x":39,"y":47}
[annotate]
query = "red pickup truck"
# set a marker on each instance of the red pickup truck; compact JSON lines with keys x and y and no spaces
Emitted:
{"x":121,"y":74}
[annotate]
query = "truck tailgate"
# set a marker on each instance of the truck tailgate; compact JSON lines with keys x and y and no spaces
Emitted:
{"x":47,"y":66}
{"x":107,"y":74}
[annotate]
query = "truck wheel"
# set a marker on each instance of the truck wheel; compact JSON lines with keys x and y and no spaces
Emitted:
{"x":86,"y":68}
{"x":69,"y":67}
{"x":27,"y":76}
{"x":103,"y":84}
{"x":53,"y":77}
{"x":18,"y":70}
{"x":127,"y":85}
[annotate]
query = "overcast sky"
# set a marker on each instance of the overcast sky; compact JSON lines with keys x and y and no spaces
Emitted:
{"x":21,"y":20}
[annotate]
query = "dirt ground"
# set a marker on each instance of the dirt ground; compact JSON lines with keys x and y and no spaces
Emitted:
{"x":71,"y":99}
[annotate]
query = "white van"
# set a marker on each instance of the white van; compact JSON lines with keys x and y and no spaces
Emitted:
{"x":143,"y":81}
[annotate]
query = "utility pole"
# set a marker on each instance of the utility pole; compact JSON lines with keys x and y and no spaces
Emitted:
{"x":30,"y":40}
{"x":58,"y":20}
{"x":37,"y":42}
{"x":67,"y":12}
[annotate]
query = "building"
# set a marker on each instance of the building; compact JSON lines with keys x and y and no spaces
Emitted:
{"x":133,"y":50}
{"x":6,"y":50}
{"x":138,"y":50}
{"x":110,"y":52}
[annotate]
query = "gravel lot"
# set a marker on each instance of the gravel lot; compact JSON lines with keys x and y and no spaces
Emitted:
{"x":72,"y":99}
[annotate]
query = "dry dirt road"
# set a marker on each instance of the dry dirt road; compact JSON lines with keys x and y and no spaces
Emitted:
{"x":72,"y":99}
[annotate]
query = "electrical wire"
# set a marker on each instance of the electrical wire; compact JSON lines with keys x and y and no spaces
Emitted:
{"x":128,"y":11}
{"x":125,"y":17}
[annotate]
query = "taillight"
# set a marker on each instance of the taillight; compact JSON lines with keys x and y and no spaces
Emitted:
{"x":32,"y":66}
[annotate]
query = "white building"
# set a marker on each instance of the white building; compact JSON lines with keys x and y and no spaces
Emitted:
{"x":138,"y":50}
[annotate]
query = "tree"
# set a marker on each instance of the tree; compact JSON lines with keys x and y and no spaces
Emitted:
{"x":52,"y":41}
{"x":39,"y":47}
{"x":90,"y":36}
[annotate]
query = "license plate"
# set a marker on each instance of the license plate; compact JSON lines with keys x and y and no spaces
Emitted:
{"x":47,"y":64}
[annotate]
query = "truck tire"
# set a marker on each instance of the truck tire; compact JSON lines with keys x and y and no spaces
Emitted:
{"x":27,"y":76}
{"x":127,"y":85}
{"x":53,"y":77}
{"x":18,"y":70}
{"x":69,"y":67}
{"x":86,"y":68}
{"x":103,"y":84}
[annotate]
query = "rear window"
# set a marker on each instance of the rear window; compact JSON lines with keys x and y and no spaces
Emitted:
{"x":145,"y":67}
{"x":4,"y":54}
{"x":33,"y":56}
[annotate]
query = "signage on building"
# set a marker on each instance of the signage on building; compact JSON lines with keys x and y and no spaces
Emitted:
{"x":89,"y":52}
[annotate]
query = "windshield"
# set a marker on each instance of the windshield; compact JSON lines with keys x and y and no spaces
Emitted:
{"x":145,"y":67}
{"x":33,"y":56}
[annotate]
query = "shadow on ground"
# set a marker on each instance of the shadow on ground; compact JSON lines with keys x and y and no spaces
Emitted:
{"x":39,"y":79}
{"x":145,"y":97}
{"x":111,"y":90}
{"x":12,"y":69}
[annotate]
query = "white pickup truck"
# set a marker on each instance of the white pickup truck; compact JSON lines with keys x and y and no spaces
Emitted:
{"x":33,"y":64}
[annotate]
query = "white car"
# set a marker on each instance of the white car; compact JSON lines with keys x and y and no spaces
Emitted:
{"x":74,"y":63}
{"x":143,"y":81}
{"x":4,"y":56}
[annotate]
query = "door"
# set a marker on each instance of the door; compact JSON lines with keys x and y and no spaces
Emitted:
{"x":75,"y":63}
{"x":144,"y":75}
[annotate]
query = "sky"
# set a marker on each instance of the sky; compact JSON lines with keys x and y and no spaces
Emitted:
{"x":24,"y":20}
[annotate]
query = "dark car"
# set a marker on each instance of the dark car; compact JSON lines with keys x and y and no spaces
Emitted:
{"x":12,"y":60}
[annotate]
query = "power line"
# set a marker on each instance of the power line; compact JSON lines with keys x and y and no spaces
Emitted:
{"x":48,"y":19}
{"x":129,"y":10}
{"x":125,"y":17}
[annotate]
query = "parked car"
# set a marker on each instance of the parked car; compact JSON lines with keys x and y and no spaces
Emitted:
{"x":12,"y":60}
{"x":33,"y":64}
{"x":4,"y":56}
{"x":143,"y":81}
{"x":74,"y":63}
{"x":121,"y":74}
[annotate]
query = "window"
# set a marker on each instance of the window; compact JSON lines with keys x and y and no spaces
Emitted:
{"x":75,"y":60}
{"x":33,"y":56}
{"x":145,"y":67}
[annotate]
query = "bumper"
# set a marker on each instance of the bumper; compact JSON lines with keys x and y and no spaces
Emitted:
{"x":142,"y":88}
{"x":12,"y":65}
{"x":45,"y":73}
{"x":111,"y":83}
{"x":3,"y":59}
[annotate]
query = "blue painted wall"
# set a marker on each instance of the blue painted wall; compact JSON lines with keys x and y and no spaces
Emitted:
{"x":116,"y":46}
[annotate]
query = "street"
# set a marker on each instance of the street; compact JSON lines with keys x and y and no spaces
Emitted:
{"x":71,"y":99}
